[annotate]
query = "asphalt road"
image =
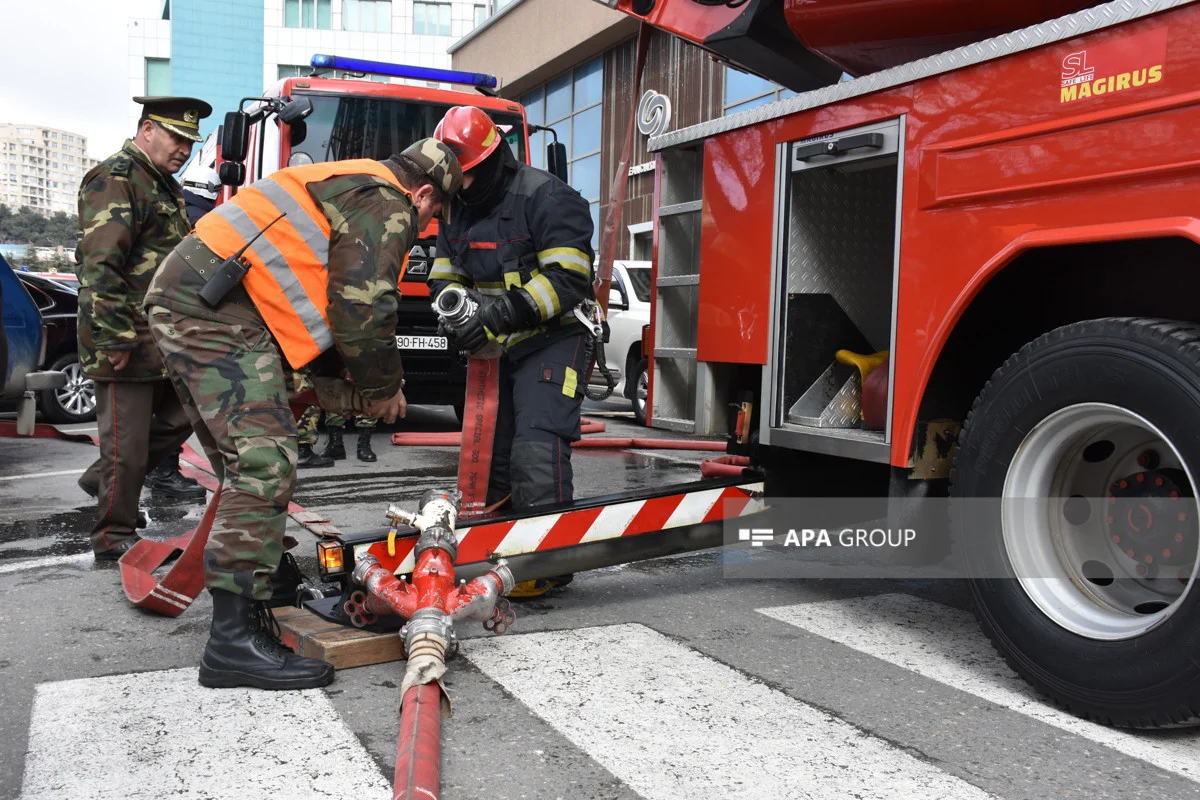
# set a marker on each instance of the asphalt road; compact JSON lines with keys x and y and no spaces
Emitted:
{"x":659,"y":679}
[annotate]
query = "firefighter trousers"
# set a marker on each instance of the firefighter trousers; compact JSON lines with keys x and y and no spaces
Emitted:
{"x":138,"y":426}
{"x":538,"y":417}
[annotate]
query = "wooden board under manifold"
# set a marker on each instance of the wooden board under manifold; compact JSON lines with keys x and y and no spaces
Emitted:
{"x":313,"y":637}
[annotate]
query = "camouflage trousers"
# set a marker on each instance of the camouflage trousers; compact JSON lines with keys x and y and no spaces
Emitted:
{"x":229,"y":374}
{"x":307,"y":425}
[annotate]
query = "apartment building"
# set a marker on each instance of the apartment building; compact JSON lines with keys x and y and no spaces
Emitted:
{"x":41,"y":167}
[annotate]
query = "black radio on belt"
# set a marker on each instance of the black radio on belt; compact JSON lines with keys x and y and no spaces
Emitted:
{"x":230,"y":274}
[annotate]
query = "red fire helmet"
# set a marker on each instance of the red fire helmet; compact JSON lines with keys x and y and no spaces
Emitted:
{"x":470,"y":133}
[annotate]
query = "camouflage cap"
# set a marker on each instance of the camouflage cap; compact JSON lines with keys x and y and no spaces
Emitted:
{"x":179,"y":115}
{"x":441,"y":165}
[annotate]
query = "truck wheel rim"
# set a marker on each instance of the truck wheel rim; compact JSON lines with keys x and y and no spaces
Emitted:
{"x":1079,"y":523}
{"x":78,"y":396}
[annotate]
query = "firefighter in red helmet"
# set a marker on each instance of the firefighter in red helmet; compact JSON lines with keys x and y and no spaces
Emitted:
{"x":521,"y":243}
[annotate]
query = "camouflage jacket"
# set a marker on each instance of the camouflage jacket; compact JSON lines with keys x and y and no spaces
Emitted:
{"x":373,"y":226}
{"x":132,"y":216}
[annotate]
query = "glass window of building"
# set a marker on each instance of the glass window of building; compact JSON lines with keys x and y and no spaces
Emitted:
{"x":367,"y":16}
{"x":158,"y":77}
{"x":570,"y":104}
{"x":431,"y":19}
{"x":744,"y":91}
{"x":308,"y":14}
{"x":481,"y":15}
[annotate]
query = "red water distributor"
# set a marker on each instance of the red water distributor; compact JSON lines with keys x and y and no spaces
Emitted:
{"x":430,"y":604}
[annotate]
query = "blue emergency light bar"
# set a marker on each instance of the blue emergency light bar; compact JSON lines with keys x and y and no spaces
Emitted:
{"x":403,"y":71}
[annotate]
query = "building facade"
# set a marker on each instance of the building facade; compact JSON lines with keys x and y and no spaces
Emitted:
{"x":224,"y":50}
{"x":575,"y":73}
{"x":41,"y":167}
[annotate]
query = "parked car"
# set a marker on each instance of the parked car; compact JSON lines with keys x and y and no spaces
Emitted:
{"x":57,"y":297}
{"x":22,"y":349}
{"x":628,"y":313}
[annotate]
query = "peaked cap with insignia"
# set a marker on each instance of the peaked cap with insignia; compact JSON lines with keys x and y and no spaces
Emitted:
{"x":179,"y":115}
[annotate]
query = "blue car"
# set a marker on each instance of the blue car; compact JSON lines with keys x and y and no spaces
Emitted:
{"x":22,"y":348}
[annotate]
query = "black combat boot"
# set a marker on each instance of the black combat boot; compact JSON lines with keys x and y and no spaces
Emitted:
{"x":244,"y":650}
{"x":364,"y":446}
{"x":311,"y":458}
{"x":166,"y":478}
{"x":334,"y":448}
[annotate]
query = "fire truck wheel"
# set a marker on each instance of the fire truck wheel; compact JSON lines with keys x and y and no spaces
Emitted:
{"x":1084,"y":575}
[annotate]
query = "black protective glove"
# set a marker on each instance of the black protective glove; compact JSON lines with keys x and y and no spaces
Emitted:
{"x":501,"y":314}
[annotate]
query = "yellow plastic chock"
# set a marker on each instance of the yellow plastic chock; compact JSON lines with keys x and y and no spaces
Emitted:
{"x":866,"y":364}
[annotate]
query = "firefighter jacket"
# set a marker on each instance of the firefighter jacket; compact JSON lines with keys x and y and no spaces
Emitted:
{"x":325,"y":275}
{"x":132,"y":216}
{"x":538,"y":237}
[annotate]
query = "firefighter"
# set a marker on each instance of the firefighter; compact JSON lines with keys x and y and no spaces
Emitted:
{"x":131,"y":212}
{"x":200,"y":189}
{"x":520,"y":242}
{"x":321,"y":294}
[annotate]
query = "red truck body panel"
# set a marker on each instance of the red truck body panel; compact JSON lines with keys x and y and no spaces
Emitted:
{"x":1085,"y":140}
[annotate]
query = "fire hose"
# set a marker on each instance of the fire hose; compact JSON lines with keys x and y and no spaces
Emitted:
{"x":431,"y":604}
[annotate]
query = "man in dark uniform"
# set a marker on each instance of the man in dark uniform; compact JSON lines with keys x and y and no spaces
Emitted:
{"x":520,"y":240}
{"x":321,"y":293}
{"x":131,"y":211}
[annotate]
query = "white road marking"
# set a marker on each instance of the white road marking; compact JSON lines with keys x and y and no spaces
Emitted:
{"x":673,"y":723}
{"x":944,"y":644}
{"x":48,"y":561}
{"x":41,"y":474}
{"x":161,"y":734}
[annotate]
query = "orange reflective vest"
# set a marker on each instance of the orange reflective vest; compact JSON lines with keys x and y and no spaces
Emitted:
{"x":289,"y":274}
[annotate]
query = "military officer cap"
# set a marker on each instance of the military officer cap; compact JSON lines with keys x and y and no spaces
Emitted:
{"x":441,"y":165}
{"x":179,"y":115}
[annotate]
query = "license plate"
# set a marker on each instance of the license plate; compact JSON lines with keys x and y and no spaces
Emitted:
{"x":422,"y":343}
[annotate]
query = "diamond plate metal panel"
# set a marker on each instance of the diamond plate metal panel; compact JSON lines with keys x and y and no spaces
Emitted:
{"x":1055,"y":30}
{"x":841,"y":242}
{"x":834,"y":401}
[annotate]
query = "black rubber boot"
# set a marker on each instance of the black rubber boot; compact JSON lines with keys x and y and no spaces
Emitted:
{"x":311,"y":458}
{"x":364,"y":447}
{"x":244,"y":650}
{"x":334,"y":448}
{"x":166,"y":478}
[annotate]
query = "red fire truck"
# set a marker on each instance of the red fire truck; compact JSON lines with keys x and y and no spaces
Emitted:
{"x":961,"y":281}
{"x":339,"y":113}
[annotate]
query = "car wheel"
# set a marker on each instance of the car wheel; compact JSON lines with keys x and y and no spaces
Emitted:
{"x":1074,"y":515}
{"x":75,"y":402}
{"x":641,"y":387}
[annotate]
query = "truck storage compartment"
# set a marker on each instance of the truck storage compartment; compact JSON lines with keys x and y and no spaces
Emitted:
{"x":836,"y":279}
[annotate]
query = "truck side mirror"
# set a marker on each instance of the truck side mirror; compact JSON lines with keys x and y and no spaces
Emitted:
{"x":235,"y":135}
{"x":556,"y":160}
{"x":231,"y":173}
{"x":295,"y":110}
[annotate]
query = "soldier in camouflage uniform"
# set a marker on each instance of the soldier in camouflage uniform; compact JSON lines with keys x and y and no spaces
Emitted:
{"x":325,"y":305}
{"x":132,"y":215}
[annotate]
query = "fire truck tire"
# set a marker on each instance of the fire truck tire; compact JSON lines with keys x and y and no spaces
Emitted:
{"x":1078,"y":413}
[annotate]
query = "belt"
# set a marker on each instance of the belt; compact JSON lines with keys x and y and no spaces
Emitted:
{"x":204,"y":262}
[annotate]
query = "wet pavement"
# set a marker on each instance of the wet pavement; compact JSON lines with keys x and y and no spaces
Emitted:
{"x":656,"y":679}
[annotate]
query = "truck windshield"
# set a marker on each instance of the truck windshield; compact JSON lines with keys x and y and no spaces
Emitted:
{"x":344,"y":127}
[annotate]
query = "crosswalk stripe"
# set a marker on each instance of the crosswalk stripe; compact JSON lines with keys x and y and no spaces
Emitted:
{"x":944,"y":644}
{"x":672,"y":723}
{"x":47,"y":562}
{"x":153,"y":735}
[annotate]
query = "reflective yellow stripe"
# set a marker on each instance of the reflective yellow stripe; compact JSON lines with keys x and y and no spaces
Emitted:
{"x":567,"y":257}
{"x":443,"y":270}
{"x":512,"y":279}
{"x":542,"y":291}
{"x":570,"y":382}
{"x":489,"y":285}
